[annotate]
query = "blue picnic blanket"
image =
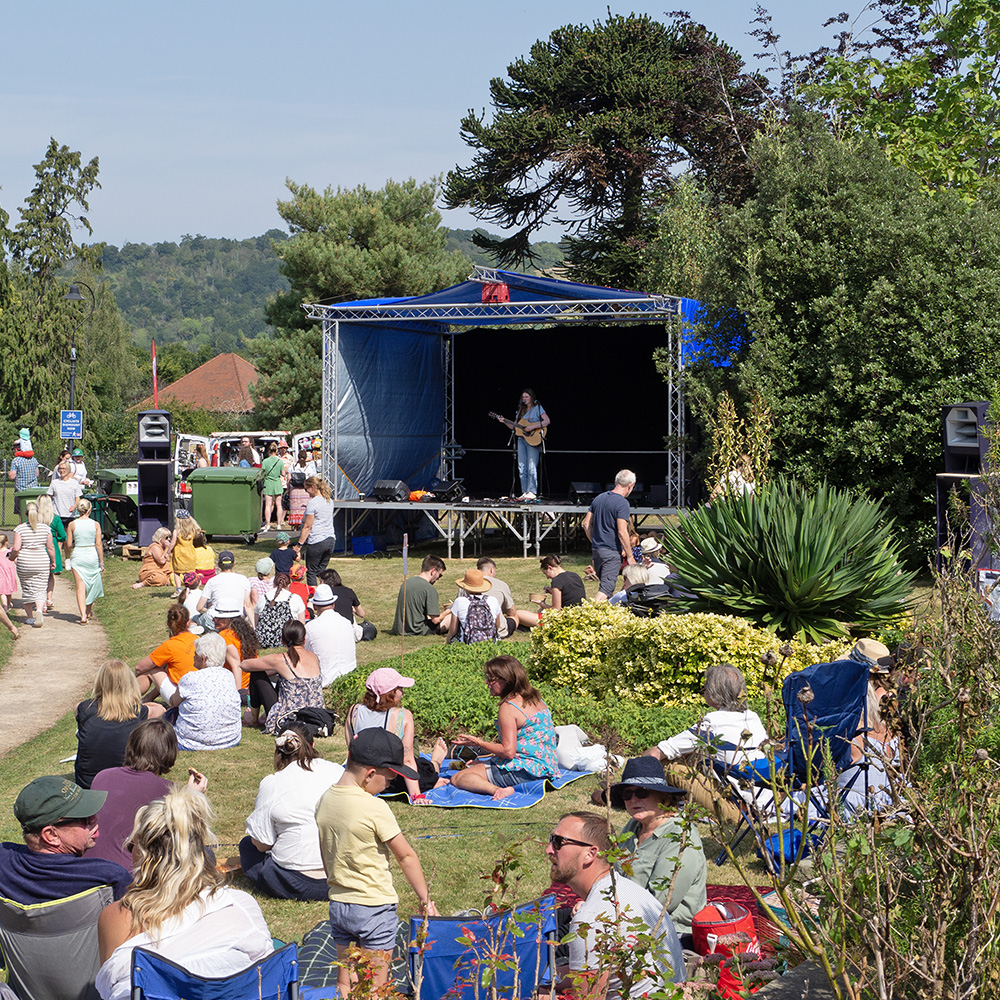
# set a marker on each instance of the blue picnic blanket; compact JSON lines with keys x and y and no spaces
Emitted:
{"x":529,"y":793}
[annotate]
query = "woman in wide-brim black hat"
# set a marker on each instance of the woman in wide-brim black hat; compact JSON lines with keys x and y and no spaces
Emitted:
{"x":662,"y":840}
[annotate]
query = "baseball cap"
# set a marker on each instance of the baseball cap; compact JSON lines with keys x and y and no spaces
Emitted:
{"x":298,"y":572}
{"x":379,"y":748}
{"x":226,"y":558}
{"x":387,"y":679}
{"x":78,"y":453}
{"x":322,"y":596}
{"x":190,"y":579}
{"x":265,"y":566}
{"x":281,"y":536}
{"x":51,"y":798}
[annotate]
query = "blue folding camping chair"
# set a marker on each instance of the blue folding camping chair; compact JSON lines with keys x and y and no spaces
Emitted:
{"x":826,"y":707}
{"x":274,"y":976}
{"x":451,"y":967}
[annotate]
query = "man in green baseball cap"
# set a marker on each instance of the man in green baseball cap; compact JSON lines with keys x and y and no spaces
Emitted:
{"x":59,"y":823}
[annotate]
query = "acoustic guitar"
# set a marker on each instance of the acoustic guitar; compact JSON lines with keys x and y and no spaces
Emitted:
{"x":533,"y":437}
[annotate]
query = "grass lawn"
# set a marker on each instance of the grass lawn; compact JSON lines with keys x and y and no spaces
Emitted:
{"x":457,"y":848}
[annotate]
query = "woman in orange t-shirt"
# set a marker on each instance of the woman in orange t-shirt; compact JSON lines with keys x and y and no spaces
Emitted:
{"x":172,"y":658}
{"x":241,"y":642}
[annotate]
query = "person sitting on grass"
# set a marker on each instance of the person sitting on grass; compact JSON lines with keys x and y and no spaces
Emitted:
{"x":565,"y":587}
{"x":526,"y":750}
{"x":357,"y":832}
{"x":282,"y":683}
{"x":348,"y":605}
{"x":155,"y":568}
{"x":207,"y":701}
{"x":173,"y":657}
{"x":280,"y":853}
{"x":382,"y":708}
{"x":151,"y":752}
{"x":105,"y":722}
{"x":417,"y":602}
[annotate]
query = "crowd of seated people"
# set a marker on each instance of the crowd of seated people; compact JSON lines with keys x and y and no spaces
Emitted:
{"x":315,"y":832}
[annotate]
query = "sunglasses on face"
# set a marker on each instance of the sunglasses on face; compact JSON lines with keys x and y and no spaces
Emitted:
{"x":635,"y":793}
{"x":559,"y":842}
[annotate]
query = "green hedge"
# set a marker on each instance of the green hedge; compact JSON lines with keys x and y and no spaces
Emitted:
{"x":450,"y":697}
{"x":608,"y":653}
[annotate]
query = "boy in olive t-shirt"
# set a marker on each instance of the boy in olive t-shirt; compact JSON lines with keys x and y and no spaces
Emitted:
{"x":357,"y":834}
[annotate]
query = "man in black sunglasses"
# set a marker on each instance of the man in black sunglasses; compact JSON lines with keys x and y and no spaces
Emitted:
{"x":577,"y":850}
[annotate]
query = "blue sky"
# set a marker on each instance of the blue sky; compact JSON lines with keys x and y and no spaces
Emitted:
{"x":199,"y":111}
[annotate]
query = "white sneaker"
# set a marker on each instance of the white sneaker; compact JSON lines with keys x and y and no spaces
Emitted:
{"x":527,"y":496}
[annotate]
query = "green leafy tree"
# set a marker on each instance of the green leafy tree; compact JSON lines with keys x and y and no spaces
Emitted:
{"x":857,"y":305}
{"x":593,"y":121}
{"x":37,"y":326}
{"x":926,"y":84}
{"x":345,"y":244}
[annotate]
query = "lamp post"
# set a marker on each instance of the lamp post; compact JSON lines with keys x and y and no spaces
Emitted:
{"x":73,"y":295}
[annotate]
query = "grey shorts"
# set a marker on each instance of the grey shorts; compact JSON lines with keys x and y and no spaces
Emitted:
{"x":372,"y":927}
{"x":607,"y":566}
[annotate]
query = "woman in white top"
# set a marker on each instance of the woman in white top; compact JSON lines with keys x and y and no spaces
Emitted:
{"x":280,"y":853}
{"x":731,"y":723}
{"x":178,"y":904}
{"x":317,"y":536}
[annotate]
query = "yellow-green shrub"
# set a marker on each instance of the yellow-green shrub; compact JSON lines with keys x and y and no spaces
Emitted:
{"x":602,"y":650}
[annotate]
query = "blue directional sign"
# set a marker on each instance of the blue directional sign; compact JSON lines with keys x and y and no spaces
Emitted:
{"x":70,"y":424}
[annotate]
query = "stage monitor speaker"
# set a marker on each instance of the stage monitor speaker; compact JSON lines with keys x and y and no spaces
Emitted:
{"x":583,"y":492}
{"x":965,"y":443}
{"x":391,"y":489}
{"x":658,"y":495}
{"x":154,"y":435}
{"x":451,"y":490}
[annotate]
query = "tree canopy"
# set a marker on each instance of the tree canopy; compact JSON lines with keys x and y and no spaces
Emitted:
{"x":595,"y":119}
{"x":857,"y":305}
{"x":345,"y":244}
{"x":924,"y":80}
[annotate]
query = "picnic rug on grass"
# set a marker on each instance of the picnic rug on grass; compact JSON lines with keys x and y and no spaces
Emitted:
{"x":527,"y":794}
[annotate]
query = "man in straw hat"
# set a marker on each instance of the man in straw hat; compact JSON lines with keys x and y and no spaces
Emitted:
{"x":476,"y":614}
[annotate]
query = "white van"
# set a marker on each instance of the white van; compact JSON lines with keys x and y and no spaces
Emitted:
{"x":221,"y":448}
{"x":307,"y":440}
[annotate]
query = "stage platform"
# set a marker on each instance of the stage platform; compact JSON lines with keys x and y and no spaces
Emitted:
{"x":530,"y":523}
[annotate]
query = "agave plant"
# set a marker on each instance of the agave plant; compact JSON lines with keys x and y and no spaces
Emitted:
{"x":801,"y":562}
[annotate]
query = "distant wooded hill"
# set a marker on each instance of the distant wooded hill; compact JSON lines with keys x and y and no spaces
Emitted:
{"x":207,"y":294}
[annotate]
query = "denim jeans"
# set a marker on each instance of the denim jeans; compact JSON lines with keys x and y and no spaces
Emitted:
{"x":527,"y":466}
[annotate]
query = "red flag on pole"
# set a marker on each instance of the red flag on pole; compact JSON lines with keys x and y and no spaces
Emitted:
{"x":156,"y":394}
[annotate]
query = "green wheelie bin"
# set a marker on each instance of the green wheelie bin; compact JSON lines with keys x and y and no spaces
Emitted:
{"x":115,"y":496}
{"x":226,"y":502}
{"x":21,"y":498}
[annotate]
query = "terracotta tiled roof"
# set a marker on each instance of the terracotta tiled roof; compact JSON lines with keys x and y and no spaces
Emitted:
{"x":220,"y":385}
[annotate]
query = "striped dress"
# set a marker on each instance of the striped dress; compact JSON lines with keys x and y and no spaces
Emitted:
{"x":33,"y":562}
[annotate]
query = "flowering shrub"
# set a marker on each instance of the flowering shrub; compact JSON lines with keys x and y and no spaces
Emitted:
{"x":602,"y":651}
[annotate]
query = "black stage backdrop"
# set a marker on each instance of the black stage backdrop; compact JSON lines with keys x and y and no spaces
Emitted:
{"x":599,"y":387}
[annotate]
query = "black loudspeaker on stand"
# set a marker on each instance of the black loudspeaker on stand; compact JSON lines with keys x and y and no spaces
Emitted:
{"x":391,"y":489}
{"x":155,"y":469}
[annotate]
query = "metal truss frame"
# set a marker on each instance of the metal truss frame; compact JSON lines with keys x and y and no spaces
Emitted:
{"x":439,"y":319}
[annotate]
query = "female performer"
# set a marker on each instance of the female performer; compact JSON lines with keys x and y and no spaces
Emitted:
{"x":531,"y":417}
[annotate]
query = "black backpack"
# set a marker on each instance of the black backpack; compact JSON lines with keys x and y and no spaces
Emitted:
{"x":656,"y":599}
{"x":272,"y":619}
{"x":480,"y":625}
{"x":297,"y":479}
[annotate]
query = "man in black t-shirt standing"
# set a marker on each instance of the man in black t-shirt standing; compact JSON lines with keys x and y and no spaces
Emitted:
{"x":606,"y":526}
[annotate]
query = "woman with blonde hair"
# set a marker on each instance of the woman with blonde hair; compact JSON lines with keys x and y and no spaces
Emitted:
{"x":316,"y":535}
{"x":35,"y":557}
{"x":153,"y":572}
{"x":178,"y":904}
{"x":182,"y":554}
{"x":47,"y":515}
{"x":105,"y":722}
{"x":86,"y":549}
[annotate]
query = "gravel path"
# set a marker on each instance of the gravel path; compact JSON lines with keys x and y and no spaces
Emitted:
{"x":51,"y":669}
